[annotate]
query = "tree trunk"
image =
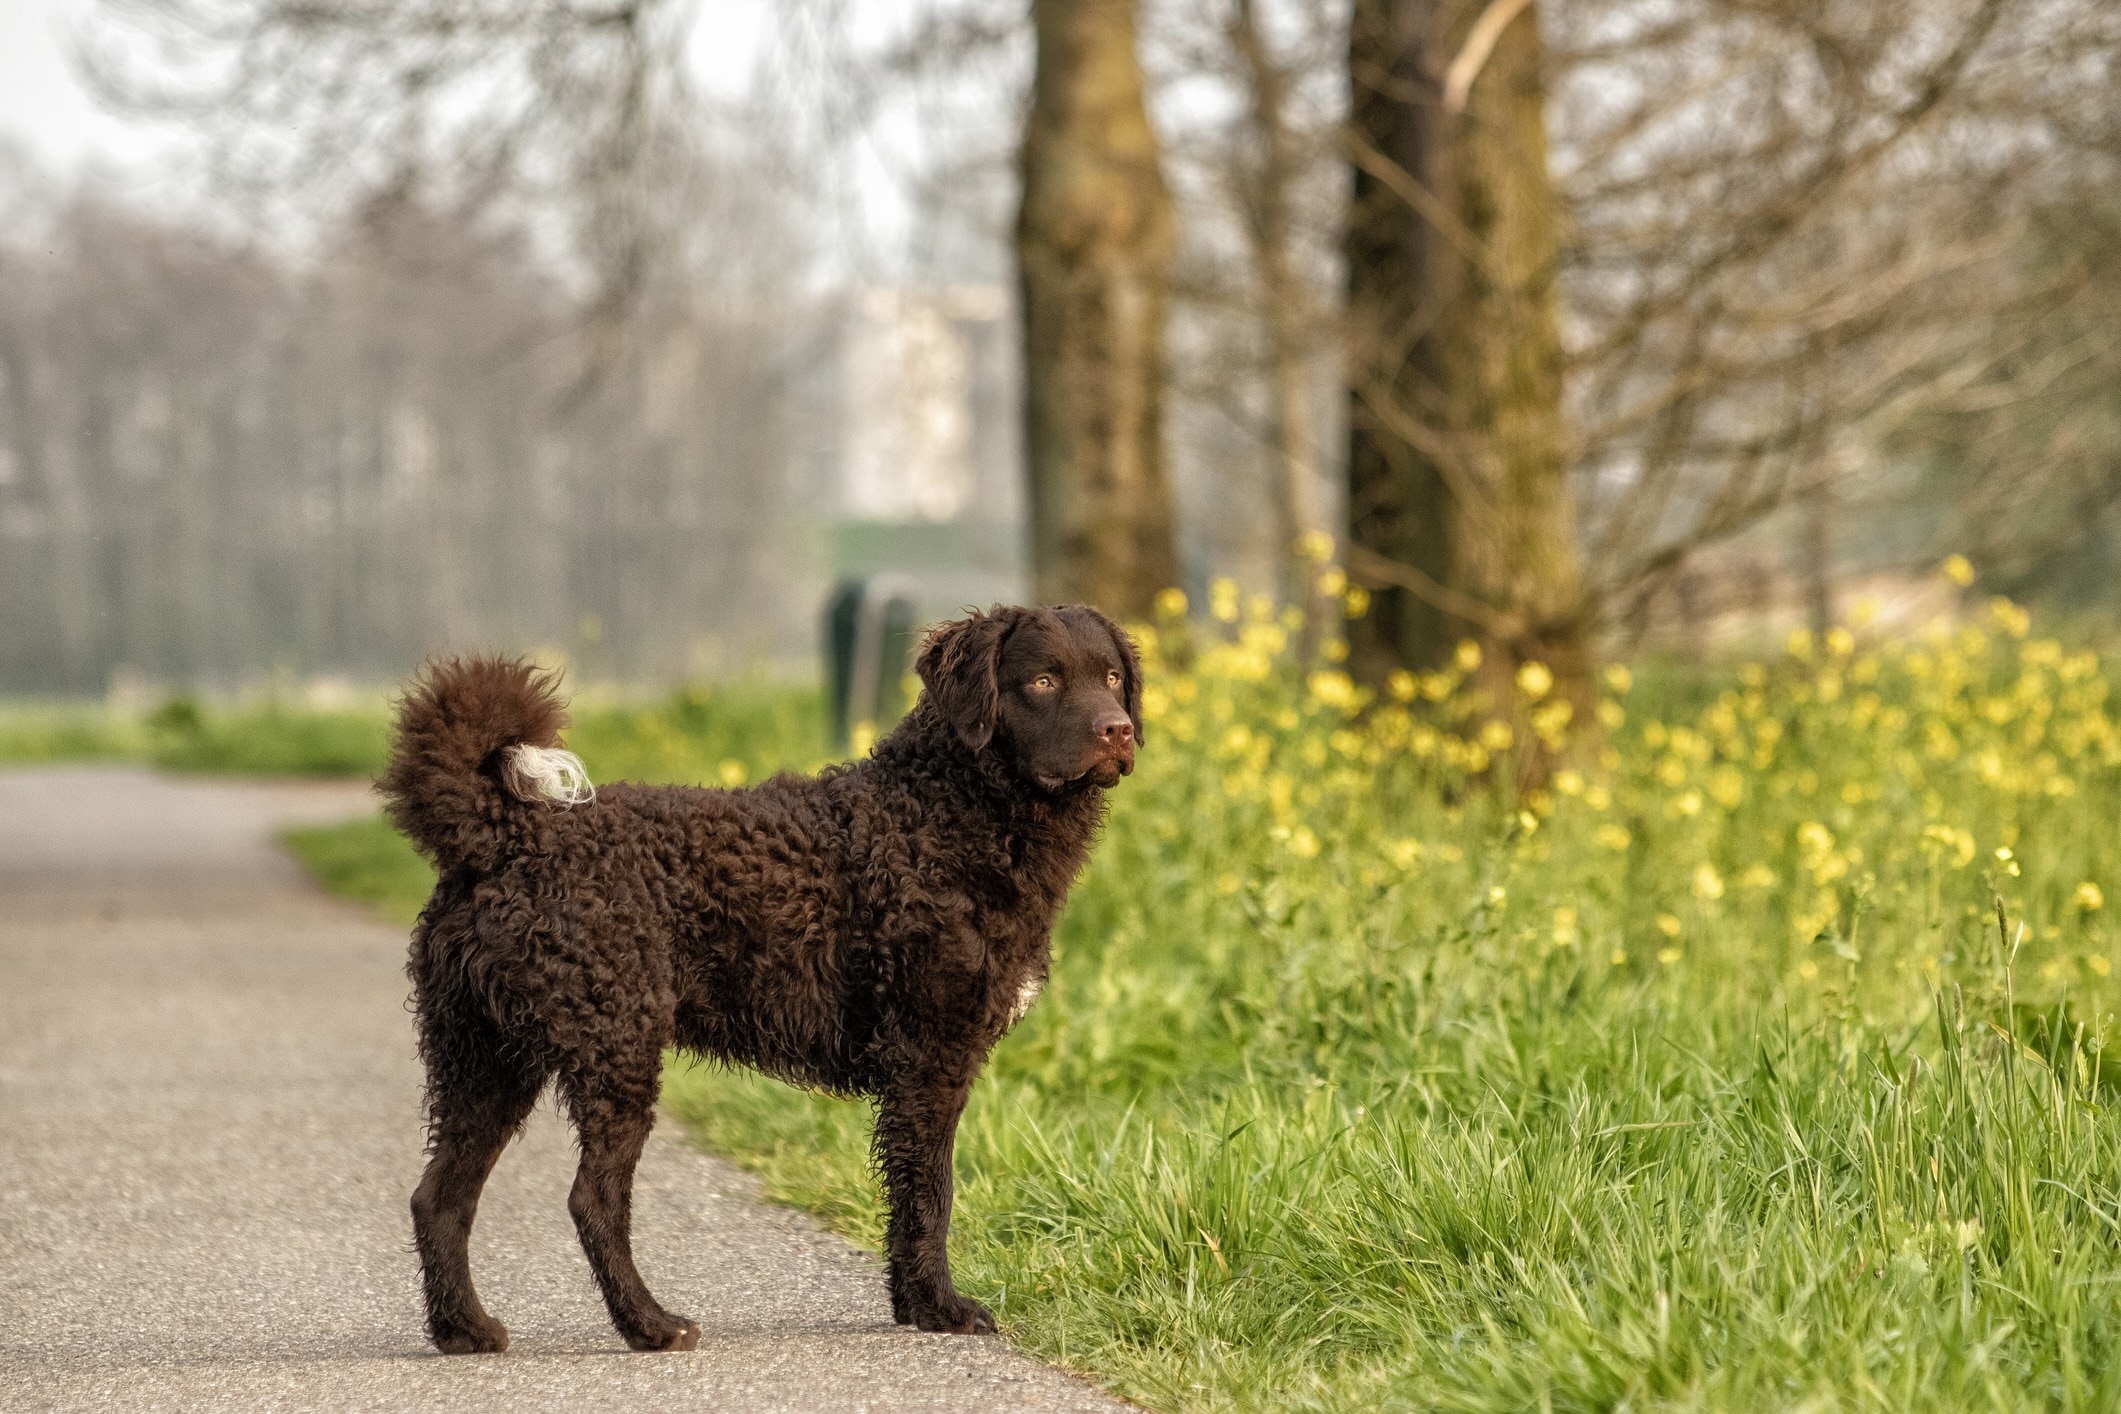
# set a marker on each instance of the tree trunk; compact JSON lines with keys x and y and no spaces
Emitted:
{"x":1269,"y":192}
{"x":1094,"y":241}
{"x":1459,"y":508}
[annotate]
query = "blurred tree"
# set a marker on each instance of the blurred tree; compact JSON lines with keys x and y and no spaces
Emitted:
{"x":1268,"y":178}
{"x":1459,"y":506}
{"x":584,"y":107}
{"x":214,"y":464}
{"x":576,"y":109}
{"x":1094,"y":241}
{"x":1839,"y":243}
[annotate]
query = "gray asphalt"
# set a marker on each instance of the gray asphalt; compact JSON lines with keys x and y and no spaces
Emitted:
{"x":209,"y":1126}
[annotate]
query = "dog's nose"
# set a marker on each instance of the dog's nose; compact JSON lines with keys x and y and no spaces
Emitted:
{"x":1114,"y":729}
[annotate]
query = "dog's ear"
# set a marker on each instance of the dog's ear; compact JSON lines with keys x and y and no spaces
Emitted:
{"x":1130,"y":668}
{"x":960,"y":665}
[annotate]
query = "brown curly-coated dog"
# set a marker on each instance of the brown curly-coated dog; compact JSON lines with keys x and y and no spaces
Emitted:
{"x":873,"y":931}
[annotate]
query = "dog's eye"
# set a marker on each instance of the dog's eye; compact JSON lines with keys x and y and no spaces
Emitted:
{"x":1043,"y":682}
{"x":1112,"y":679}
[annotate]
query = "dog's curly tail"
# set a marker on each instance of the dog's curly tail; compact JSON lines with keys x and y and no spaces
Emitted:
{"x":476,"y":748}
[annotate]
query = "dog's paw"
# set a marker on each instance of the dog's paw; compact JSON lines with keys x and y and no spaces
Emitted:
{"x":484,"y":1336}
{"x":669,"y":1333}
{"x":954,"y":1315}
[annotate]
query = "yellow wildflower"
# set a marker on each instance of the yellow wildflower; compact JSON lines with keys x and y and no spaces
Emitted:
{"x":1334,"y":688}
{"x":2011,"y":618}
{"x":2089,"y":898}
{"x":1550,"y":720}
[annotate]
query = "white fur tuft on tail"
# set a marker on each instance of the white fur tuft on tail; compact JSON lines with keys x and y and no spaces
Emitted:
{"x":547,"y":773}
{"x":1026,"y":997}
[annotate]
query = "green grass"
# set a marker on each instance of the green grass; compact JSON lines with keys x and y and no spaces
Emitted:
{"x":367,"y":861}
{"x":725,"y":735}
{"x":1704,"y":1079}
{"x":263,"y":739}
{"x":267,"y":740}
{"x":33,"y":732}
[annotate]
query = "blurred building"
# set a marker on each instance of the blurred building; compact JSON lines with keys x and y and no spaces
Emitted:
{"x":913,"y":445}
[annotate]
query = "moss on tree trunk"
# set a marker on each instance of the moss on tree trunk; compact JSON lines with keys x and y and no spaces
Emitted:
{"x":1094,"y":242}
{"x":1459,"y":507}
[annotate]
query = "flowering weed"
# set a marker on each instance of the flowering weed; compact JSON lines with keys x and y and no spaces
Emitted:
{"x":1753,"y":1058}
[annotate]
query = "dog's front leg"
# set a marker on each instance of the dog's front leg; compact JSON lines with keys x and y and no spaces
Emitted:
{"x":916,"y":1135}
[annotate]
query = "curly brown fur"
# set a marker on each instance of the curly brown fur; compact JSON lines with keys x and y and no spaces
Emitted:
{"x":445,"y":785}
{"x":873,"y":931}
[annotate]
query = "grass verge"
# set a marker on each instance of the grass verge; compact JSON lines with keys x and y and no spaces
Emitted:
{"x":268,"y":739}
{"x":367,"y":861}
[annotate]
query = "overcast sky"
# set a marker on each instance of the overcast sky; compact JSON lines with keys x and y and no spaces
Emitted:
{"x":44,"y":107}
{"x":736,"y":49}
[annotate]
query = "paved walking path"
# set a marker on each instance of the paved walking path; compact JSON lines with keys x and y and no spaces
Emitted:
{"x":209,"y":1126}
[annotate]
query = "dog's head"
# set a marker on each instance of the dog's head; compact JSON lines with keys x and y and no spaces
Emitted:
{"x":1057,"y":691}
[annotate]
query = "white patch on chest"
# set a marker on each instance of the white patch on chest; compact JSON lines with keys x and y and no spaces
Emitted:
{"x":1026,"y":995}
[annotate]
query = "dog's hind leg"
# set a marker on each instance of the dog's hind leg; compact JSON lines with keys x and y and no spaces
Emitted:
{"x":612,"y":1103}
{"x":477,"y":1100}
